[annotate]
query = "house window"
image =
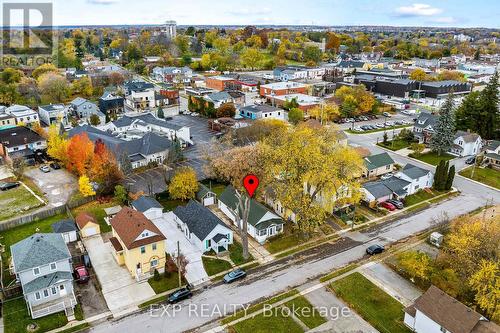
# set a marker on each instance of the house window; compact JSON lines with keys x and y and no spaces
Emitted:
{"x":36,"y":271}
{"x":153,"y":247}
{"x":37,"y":295}
{"x":54,"y":290}
{"x":143,"y":249}
{"x":61,"y":287}
{"x":46,"y":293}
{"x":208,"y":243}
{"x":53,"y":266}
{"x":442,"y":329}
{"x":154,"y":263}
{"x":387,"y":167}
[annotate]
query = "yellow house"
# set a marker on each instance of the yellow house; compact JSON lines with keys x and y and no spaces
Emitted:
{"x":87,"y":224}
{"x":137,"y":243}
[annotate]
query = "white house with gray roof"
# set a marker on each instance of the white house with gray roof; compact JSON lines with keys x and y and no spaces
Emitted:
{"x":219,"y":98}
{"x":202,"y":228}
{"x":53,"y":114}
{"x":419,"y":178}
{"x":83,"y":109}
{"x":136,"y":126}
{"x":151,"y":208}
{"x":42,"y":264}
{"x":466,"y":144}
{"x":262,"y":223}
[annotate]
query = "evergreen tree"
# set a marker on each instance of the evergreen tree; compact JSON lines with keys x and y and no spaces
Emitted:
{"x":467,"y":116}
{"x":385,"y":138}
{"x":439,"y":176}
{"x":442,"y":139}
{"x":451,"y":176}
{"x":160,"y":113}
{"x":488,"y":108}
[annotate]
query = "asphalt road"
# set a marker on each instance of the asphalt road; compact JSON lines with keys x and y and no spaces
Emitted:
{"x":269,"y":280}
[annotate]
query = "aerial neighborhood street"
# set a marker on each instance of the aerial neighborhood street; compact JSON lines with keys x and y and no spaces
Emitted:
{"x":247,"y":174}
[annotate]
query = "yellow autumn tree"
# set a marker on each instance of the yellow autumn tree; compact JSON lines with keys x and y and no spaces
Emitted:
{"x":325,"y":113}
{"x":184,"y":184}
{"x":416,"y":264}
{"x":309,"y":173}
{"x":85,"y":187}
{"x":418,"y":74}
{"x":486,"y":283}
{"x":57,"y":144}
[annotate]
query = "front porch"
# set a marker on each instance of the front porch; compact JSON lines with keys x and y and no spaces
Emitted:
{"x":219,"y":243}
{"x":65,"y":304}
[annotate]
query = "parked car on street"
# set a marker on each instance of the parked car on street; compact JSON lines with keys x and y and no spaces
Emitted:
{"x":386,"y":114}
{"x":45,"y":168}
{"x":375,"y":249}
{"x":398,"y":204}
{"x":179,"y":295}
{"x":55,"y":166}
{"x":8,"y":185}
{"x":388,"y":206}
{"x":470,"y":160}
{"x":81,"y":274}
{"x":234,"y":275}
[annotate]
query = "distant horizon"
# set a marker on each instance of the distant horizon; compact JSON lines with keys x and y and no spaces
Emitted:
{"x":399,"y":13}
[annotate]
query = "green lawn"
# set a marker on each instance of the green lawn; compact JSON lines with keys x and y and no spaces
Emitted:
{"x":14,"y":235}
{"x":214,"y":266}
{"x":420,"y":196}
{"x":16,"y":202}
{"x":338,"y":272}
{"x":259,"y":306}
{"x":394,"y":145}
{"x":306,"y":312}
{"x":216,"y":186}
{"x":165,"y":283}
{"x":483,"y":175}
{"x":375,"y":306}
{"x":16,"y":318}
{"x":167,"y":203}
{"x":265,"y":324}
{"x":97,"y":209}
{"x":236,"y":254}
{"x":284,"y":241}
{"x":432,"y":157}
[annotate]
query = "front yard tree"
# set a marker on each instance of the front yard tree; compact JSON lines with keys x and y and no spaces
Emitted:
{"x":94,"y":120}
{"x":416,"y":264}
{"x":160,"y":113}
{"x":121,"y":194}
{"x":184,"y":184}
{"x":417,"y":148}
{"x":450,"y":178}
{"x":486,"y":284}
{"x":310,"y":174}
{"x":295,"y":116}
{"x":444,"y":132}
{"x":488,"y":108}
{"x":226,"y":110}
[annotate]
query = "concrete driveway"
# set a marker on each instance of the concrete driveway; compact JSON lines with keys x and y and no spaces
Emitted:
{"x":195,"y":272}
{"x":392,"y":283}
{"x":121,"y":292}
{"x":57,"y":185}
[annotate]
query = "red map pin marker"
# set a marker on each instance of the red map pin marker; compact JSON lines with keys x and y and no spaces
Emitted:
{"x":251,"y":182}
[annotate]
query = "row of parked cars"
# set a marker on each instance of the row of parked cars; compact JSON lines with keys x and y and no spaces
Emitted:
{"x":370,"y":127}
{"x":46,"y":168}
{"x":357,"y":119}
{"x":392,"y":204}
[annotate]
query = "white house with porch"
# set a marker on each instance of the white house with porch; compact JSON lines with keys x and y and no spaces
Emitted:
{"x":202,"y":228}
{"x":466,"y":144}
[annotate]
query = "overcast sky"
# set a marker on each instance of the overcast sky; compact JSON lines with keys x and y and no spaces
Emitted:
{"x":461,"y":13}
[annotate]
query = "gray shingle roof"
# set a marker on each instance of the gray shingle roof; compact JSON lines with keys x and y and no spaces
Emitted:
{"x":44,"y":282}
{"x":425,"y":119}
{"x":38,"y":250}
{"x":62,"y":226}
{"x":144,"y":203}
{"x":382,"y":188}
{"x":199,"y":219}
{"x":257,"y":215}
{"x":379,"y":160}
{"x":467,"y":136}
{"x":202,"y":191}
{"x":147,"y":118}
{"x":259,"y":108}
{"x":414,"y":172}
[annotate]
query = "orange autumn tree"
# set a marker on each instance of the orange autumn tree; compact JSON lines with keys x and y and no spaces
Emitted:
{"x":104,"y":168}
{"x":80,"y":154}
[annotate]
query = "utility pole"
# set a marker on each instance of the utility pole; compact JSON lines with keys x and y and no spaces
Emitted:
{"x":179,"y":263}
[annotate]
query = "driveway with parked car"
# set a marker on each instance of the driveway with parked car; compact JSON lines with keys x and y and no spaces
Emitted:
{"x":57,"y":185}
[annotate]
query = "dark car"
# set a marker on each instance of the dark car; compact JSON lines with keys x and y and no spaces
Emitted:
{"x":234,"y":275}
{"x":397,"y":203}
{"x":8,"y":185}
{"x":55,"y":166}
{"x":81,"y":274}
{"x":470,"y":160}
{"x":179,"y":295}
{"x":86,"y":260}
{"x":375,"y":249}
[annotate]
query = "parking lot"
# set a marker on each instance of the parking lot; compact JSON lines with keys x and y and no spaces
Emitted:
{"x":201,"y":137}
{"x":396,"y":119}
{"x":57,"y":185}
{"x":150,"y":182}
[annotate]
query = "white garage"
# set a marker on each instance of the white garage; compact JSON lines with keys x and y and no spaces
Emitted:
{"x":151,"y":208}
{"x":67,"y":228}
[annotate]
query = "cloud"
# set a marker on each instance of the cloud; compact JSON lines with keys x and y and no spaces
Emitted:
{"x":417,"y":9}
{"x":250,"y":11}
{"x":102,"y":2}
